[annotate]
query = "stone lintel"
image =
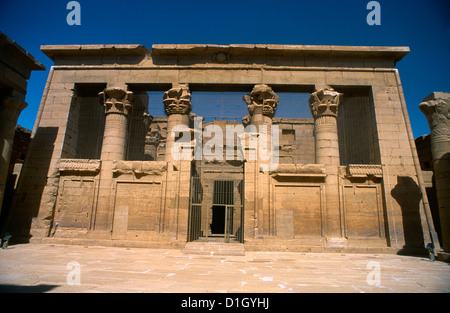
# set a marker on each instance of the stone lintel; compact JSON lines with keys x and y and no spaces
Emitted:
{"x":306,"y":169}
{"x":187,"y":54}
{"x":139,"y":168}
{"x":263,"y":53}
{"x":79,"y":165}
{"x":59,"y":51}
{"x":395,"y":52}
{"x":364,"y":170}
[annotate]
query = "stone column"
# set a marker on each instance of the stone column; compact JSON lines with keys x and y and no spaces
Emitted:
{"x":177,"y":105}
{"x":261,"y":104}
{"x":324,"y":105}
{"x":436,"y":108}
{"x":117,"y":103}
{"x":10,"y":109}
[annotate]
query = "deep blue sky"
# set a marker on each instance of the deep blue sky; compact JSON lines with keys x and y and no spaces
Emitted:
{"x":424,"y":26}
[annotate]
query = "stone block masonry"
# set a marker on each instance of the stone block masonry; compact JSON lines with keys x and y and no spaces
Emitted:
{"x":346,"y":178}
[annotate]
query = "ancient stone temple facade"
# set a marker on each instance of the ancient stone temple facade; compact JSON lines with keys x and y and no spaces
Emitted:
{"x":346,"y":178}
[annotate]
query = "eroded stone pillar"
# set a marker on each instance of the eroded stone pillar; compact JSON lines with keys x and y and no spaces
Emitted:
{"x":177,"y":105}
{"x":261,"y":103}
{"x":324,"y":105}
{"x":436,"y":108}
{"x":117,"y":103}
{"x":10,"y":109}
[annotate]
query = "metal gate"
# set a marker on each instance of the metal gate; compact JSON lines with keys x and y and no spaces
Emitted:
{"x":216,"y":209}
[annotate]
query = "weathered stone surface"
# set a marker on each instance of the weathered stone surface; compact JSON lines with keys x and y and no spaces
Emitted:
{"x":139,"y":167}
{"x":300,"y":169}
{"x":324,"y":102}
{"x":79,"y":165}
{"x":263,"y":99}
{"x":116,"y":100}
{"x":361,"y":170}
{"x":436,"y":108}
{"x":324,"y":105}
{"x":177,"y":100}
{"x":345,"y":179}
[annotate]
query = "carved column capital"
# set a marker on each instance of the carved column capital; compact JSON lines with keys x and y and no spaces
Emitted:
{"x":116,"y":100}
{"x":262,"y":97}
{"x":14,"y":104}
{"x":436,"y":108}
{"x":324,"y":102}
{"x":177,"y":100}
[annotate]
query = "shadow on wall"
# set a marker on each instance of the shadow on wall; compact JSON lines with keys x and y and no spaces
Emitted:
{"x":408,"y":196}
{"x":32,"y":182}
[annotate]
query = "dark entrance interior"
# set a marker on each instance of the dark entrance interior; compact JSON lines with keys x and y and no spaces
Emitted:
{"x":218,"y":219}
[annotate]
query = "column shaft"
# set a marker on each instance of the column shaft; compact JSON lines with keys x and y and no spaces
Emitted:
{"x":326,"y":139}
{"x":117,"y":103}
{"x":9,"y":112}
{"x":177,"y":105}
{"x":115,"y":137}
{"x":261,"y":104}
{"x":324,"y":108}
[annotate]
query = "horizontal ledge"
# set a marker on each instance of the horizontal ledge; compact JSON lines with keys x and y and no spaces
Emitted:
{"x":229,"y":67}
{"x":56,"y":51}
{"x":364,"y":175}
{"x":298,"y":175}
{"x":195,"y":48}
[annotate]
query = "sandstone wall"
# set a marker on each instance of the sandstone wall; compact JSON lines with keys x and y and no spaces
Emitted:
{"x":380,"y":208}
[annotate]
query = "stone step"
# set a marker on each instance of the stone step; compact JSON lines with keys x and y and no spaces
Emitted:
{"x":219,"y":239}
{"x":214,"y":248}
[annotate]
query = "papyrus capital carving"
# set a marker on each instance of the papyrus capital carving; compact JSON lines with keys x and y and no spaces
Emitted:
{"x":324,"y":102}
{"x":177,"y":100}
{"x":116,"y":100}
{"x":436,"y":108}
{"x":262,"y":96}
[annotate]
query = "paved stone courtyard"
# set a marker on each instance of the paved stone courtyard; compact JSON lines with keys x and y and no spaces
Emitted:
{"x":67,"y":268}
